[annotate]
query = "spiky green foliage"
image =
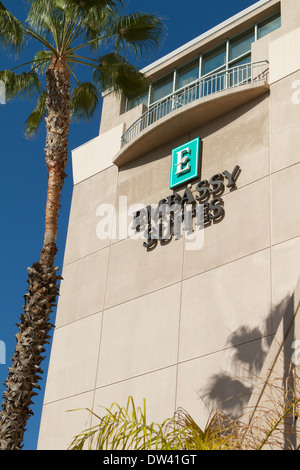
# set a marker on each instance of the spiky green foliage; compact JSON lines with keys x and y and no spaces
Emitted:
{"x":271,"y":424}
{"x":121,"y":428}
{"x":80,"y":31}
{"x":84,"y":101}
{"x":126,"y":428}
{"x":38,"y":114}
{"x":12,"y":32}
{"x":24,"y":85}
{"x":116,"y":73}
{"x":137,"y":31}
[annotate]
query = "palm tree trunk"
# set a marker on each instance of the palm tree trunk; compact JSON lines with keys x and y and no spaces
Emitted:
{"x":34,"y":326}
{"x":24,"y":373}
{"x":58,"y":123}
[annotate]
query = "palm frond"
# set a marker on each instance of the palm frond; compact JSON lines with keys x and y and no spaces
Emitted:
{"x":94,"y":18}
{"x":84,"y":101}
{"x":39,"y":15}
{"x":96,"y":25}
{"x":23,"y":85}
{"x":87,"y":6}
{"x":34,"y":120}
{"x":41,"y":61}
{"x":138,"y":32}
{"x":11,"y":30}
{"x":45,"y":20}
{"x":116,"y":73}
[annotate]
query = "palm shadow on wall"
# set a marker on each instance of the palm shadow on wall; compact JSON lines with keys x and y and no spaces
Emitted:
{"x":231,"y":393}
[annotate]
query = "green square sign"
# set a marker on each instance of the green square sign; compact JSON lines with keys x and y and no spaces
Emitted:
{"x":184,"y":163}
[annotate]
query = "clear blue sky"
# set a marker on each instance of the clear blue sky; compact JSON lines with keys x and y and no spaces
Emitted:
{"x":24,"y":177}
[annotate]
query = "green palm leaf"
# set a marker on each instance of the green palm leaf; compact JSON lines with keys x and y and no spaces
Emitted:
{"x":11,"y":30}
{"x":84,"y":101}
{"x":24,"y":85}
{"x":41,"y":61}
{"x":137,"y":32}
{"x":36,"y":117}
{"x":86,"y":6}
{"x":115,"y":72}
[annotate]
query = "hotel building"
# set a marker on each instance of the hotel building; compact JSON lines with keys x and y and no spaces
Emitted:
{"x":182,"y":259}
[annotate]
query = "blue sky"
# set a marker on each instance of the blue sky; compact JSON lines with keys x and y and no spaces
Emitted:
{"x":24,"y":177}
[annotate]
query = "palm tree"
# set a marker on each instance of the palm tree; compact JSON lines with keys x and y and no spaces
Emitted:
{"x":69,"y":32}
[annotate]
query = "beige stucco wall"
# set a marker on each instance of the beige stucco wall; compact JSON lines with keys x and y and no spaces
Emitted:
{"x":182,"y":328}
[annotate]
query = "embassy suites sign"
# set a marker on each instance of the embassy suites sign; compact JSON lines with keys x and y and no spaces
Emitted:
{"x":193,"y":209}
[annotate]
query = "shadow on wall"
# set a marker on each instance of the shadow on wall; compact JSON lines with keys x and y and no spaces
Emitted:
{"x":232,"y":394}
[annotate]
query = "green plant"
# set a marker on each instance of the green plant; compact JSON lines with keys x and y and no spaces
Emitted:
{"x":272,"y":423}
{"x":126,"y":428}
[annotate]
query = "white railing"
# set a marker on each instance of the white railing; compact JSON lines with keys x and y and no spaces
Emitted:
{"x":205,"y":86}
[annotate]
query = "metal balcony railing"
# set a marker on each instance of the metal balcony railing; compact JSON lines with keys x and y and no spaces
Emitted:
{"x":204,"y":86}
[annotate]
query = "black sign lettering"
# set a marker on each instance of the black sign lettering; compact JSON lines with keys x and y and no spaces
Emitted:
{"x":232,"y":177}
{"x":216,"y":208}
{"x":203,"y":190}
{"x":164,"y":220}
{"x":216,"y":182}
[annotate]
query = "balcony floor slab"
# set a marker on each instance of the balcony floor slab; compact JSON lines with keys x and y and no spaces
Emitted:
{"x":187,"y":118}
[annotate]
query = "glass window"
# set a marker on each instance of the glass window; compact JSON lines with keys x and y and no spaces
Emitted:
{"x":214,"y":60}
{"x":269,"y":25}
{"x":244,"y":60}
{"x":162,"y":88}
{"x":241,"y":45}
{"x":133,"y":102}
{"x":187,"y":74}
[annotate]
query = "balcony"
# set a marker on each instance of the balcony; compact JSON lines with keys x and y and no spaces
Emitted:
{"x":197,"y":103}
